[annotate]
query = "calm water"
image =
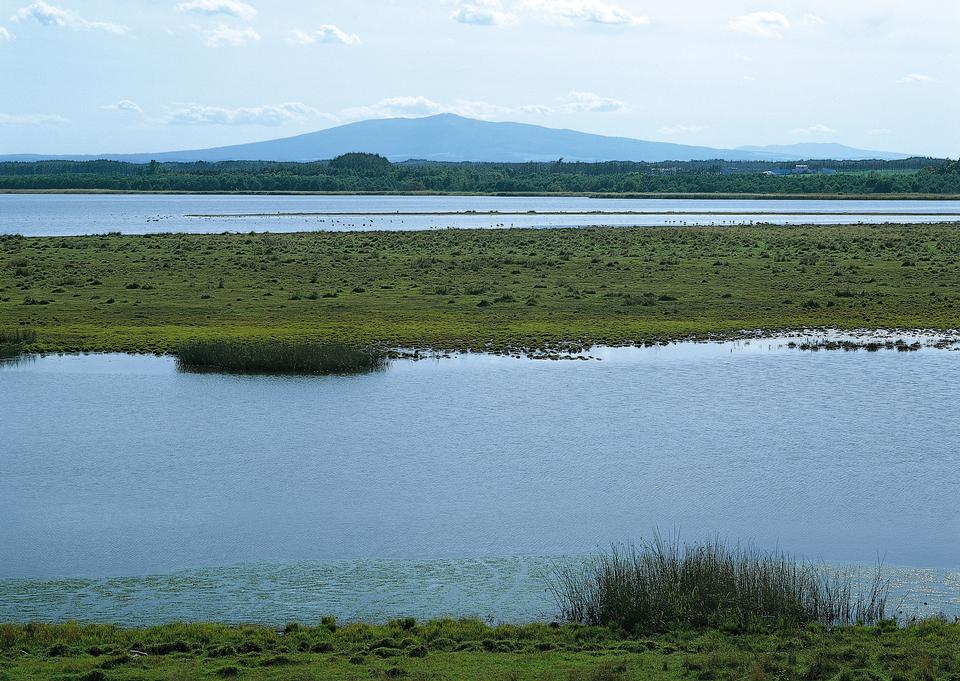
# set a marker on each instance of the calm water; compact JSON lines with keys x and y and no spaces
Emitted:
{"x":72,"y":214}
{"x":444,"y":486}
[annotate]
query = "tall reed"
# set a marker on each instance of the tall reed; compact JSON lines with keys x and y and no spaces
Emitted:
{"x":665,"y":584}
{"x":278,"y":357}
{"x":13,"y":342}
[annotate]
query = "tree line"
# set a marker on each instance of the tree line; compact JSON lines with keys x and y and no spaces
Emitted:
{"x":358,"y":172}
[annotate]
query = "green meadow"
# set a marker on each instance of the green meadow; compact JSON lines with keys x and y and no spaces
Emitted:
{"x":452,"y":650}
{"x":493,"y":290}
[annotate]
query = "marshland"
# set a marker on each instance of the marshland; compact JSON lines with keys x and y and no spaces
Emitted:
{"x":328,"y":354}
{"x":326,"y":465}
{"x":475,"y":289}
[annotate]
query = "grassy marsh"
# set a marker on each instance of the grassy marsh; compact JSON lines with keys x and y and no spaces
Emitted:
{"x":475,"y":289}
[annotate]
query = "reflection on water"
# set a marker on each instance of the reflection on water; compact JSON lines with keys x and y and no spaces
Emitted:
{"x":115,"y":466}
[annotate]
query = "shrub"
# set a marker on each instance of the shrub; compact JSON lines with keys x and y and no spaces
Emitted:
{"x":665,"y":584}
{"x":278,"y":357}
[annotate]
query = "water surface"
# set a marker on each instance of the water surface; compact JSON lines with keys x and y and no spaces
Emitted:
{"x":75,"y":214}
{"x":117,"y":467}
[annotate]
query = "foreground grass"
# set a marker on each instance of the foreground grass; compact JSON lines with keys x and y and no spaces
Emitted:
{"x":475,"y":289}
{"x":452,"y":650}
{"x":664,"y":584}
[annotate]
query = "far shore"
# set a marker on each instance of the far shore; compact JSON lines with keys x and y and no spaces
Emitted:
{"x":588,"y":195}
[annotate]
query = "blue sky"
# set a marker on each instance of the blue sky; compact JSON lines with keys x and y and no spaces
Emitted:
{"x":88,"y":76}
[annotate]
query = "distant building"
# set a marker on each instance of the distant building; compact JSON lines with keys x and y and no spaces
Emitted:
{"x":799,"y":169}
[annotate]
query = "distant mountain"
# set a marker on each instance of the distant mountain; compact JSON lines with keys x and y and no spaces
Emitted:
{"x":823,"y":150}
{"x":447,"y":137}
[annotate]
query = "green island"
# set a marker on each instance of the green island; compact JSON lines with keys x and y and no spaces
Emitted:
{"x":510,"y":290}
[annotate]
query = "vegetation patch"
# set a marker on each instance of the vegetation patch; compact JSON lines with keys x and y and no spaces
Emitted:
{"x":665,"y":584}
{"x":278,"y":357}
{"x":12,"y":343}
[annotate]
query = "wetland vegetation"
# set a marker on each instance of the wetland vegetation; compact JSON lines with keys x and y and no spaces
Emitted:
{"x":278,"y":357}
{"x":665,"y":584}
{"x":13,"y":342}
{"x":485,"y":290}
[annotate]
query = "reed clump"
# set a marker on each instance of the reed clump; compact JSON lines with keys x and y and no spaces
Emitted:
{"x":13,"y":342}
{"x":665,"y":584}
{"x":275,"y":357}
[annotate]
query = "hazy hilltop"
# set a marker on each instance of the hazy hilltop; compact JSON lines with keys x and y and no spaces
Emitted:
{"x":823,"y":150}
{"x":448,"y":137}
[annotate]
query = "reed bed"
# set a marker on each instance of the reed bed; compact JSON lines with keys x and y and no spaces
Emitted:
{"x":13,"y":342}
{"x":665,"y":584}
{"x":271,"y":357}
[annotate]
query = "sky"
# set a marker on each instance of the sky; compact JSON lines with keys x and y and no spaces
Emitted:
{"x":98,"y":76}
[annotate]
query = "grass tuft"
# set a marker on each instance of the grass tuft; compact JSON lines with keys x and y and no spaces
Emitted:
{"x":12,"y":343}
{"x":664,"y":584}
{"x":273,"y":357}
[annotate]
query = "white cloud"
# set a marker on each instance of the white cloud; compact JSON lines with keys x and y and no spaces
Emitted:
{"x":595,"y":11}
{"x":269,"y":115}
{"x":761,"y":24}
{"x":483,"y":13}
{"x":225,"y":36}
{"x":5,"y":34}
{"x":813,"y":20}
{"x":589,"y":101}
{"x":49,"y":15}
{"x":416,"y":106}
{"x":916,"y":78}
{"x":124,"y":105}
{"x":815,"y":129}
{"x":327,"y":33}
{"x":230,"y":8}
{"x":535,"y":109}
{"x":31,"y":119}
{"x":398,"y":107}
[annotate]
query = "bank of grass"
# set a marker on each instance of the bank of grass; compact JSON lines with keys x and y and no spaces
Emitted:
{"x":452,"y":650}
{"x":475,"y":289}
{"x":278,"y":357}
{"x":665,"y":584}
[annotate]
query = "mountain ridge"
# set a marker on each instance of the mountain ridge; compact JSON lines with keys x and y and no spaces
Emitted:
{"x":449,"y":137}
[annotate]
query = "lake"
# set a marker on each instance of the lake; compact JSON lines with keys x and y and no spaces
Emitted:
{"x":134,"y":493}
{"x":75,"y":214}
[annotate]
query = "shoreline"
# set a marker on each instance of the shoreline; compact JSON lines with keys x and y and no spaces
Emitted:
{"x":534,"y":213}
{"x":806,"y":339}
{"x":593,"y":195}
